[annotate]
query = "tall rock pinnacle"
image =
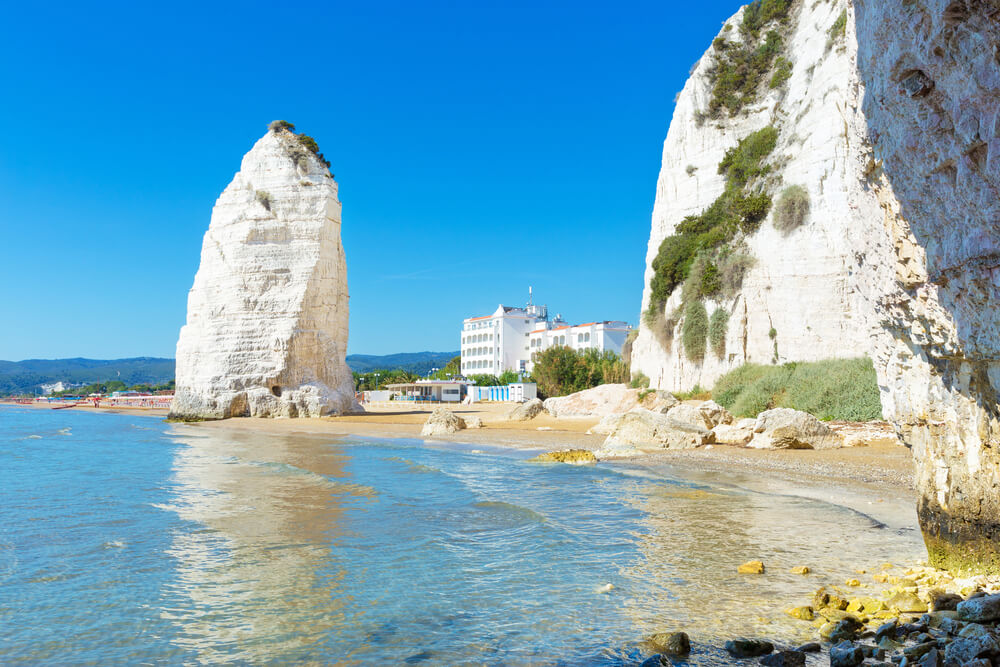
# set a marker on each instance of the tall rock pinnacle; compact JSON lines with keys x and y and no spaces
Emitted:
{"x":266,"y":330}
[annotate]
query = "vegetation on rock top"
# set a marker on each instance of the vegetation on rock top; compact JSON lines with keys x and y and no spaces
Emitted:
{"x":304,"y":140}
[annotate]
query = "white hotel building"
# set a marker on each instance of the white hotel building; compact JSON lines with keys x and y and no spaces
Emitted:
{"x":509,"y":339}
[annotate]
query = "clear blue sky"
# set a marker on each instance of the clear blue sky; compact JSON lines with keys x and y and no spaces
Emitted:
{"x":479,"y":147}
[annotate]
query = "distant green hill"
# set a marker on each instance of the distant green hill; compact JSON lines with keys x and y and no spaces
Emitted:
{"x":25,"y":377}
{"x":411,"y":362}
{"x":28,"y":376}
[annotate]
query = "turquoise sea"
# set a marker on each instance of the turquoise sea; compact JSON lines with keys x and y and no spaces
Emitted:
{"x":126,"y":540}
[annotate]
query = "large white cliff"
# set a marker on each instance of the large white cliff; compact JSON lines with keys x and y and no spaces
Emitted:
{"x":892,"y":125}
{"x":266,"y":330}
{"x":800,"y":285}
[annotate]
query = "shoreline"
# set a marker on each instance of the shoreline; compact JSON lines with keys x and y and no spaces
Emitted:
{"x":877,"y":474}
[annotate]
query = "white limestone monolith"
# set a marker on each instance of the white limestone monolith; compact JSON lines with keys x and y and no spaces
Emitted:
{"x":266,"y":331}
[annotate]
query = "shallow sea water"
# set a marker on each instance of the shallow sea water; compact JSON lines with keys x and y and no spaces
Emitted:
{"x":127,"y":540}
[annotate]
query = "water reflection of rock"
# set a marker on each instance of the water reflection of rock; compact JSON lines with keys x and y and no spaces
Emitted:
{"x":256,"y":578}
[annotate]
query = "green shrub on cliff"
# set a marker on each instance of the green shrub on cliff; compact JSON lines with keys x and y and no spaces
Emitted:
{"x":844,"y":389}
{"x":278,"y":125}
{"x":838,"y":30}
{"x":694,"y":330}
{"x":782,"y":73}
{"x":792,"y":208}
{"x":711,"y":232}
{"x":718,"y":324}
{"x":741,"y":67}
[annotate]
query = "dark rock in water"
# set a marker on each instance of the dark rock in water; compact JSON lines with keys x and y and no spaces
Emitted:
{"x":886,"y":629}
{"x":979,"y":662}
{"x":784,"y":659}
{"x":931,"y":659}
{"x":950,"y":625}
{"x":961,"y":651}
{"x":846,"y":654}
{"x":671,"y":643}
{"x":918,"y":650}
{"x":656,"y":660}
{"x":941,"y":601}
{"x":980,"y":609}
{"x":748,"y":648}
{"x":811,"y":647}
{"x":847,"y":628}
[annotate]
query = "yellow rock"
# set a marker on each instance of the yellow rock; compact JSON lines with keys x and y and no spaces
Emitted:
{"x":852,"y":582}
{"x":880,"y":578}
{"x":859,"y":571}
{"x":826,"y":630}
{"x":801,"y":569}
{"x":567,"y":456}
{"x":751,"y":567}
{"x":855,"y":605}
{"x":801,"y":613}
{"x":886,"y":566}
{"x":872,"y":605}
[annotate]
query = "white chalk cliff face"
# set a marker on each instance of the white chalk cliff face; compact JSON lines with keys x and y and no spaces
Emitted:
{"x":893,"y":131}
{"x":800,"y":285}
{"x":266,"y":330}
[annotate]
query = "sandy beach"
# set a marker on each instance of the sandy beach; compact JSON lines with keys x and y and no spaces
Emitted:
{"x":882,"y":470}
{"x":875,"y":480}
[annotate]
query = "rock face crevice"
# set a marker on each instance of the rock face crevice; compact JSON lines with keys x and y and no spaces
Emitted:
{"x":893,"y":128}
{"x":266,"y":331}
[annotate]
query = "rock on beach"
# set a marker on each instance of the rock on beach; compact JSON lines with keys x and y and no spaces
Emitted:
{"x":441,"y":422}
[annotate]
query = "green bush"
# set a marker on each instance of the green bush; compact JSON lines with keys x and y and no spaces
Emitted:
{"x":741,"y":67}
{"x":694,"y":330}
{"x":561,"y":370}
{"x":843,"y":389}
{"x":718,"y":224}
{"x":264,"y":198}
{"x":782,"y":73}
{"x":739,"y":70}
{"x":639,"y":381}
{"x":761,"y":12}
{"x":734,"y":263}
{"x":310,"y":144}
{"x":792,"y":208}
{"x":277,"y":125}
{"x":838,"y":30}
{"x":752,"y":209}
{"x":745,"y":160}
{"x":718,"y":324}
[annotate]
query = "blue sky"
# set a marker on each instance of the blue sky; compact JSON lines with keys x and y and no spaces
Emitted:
{"x":479,"y":147}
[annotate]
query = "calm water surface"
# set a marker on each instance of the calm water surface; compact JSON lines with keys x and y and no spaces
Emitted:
{"x":127,"y":540}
